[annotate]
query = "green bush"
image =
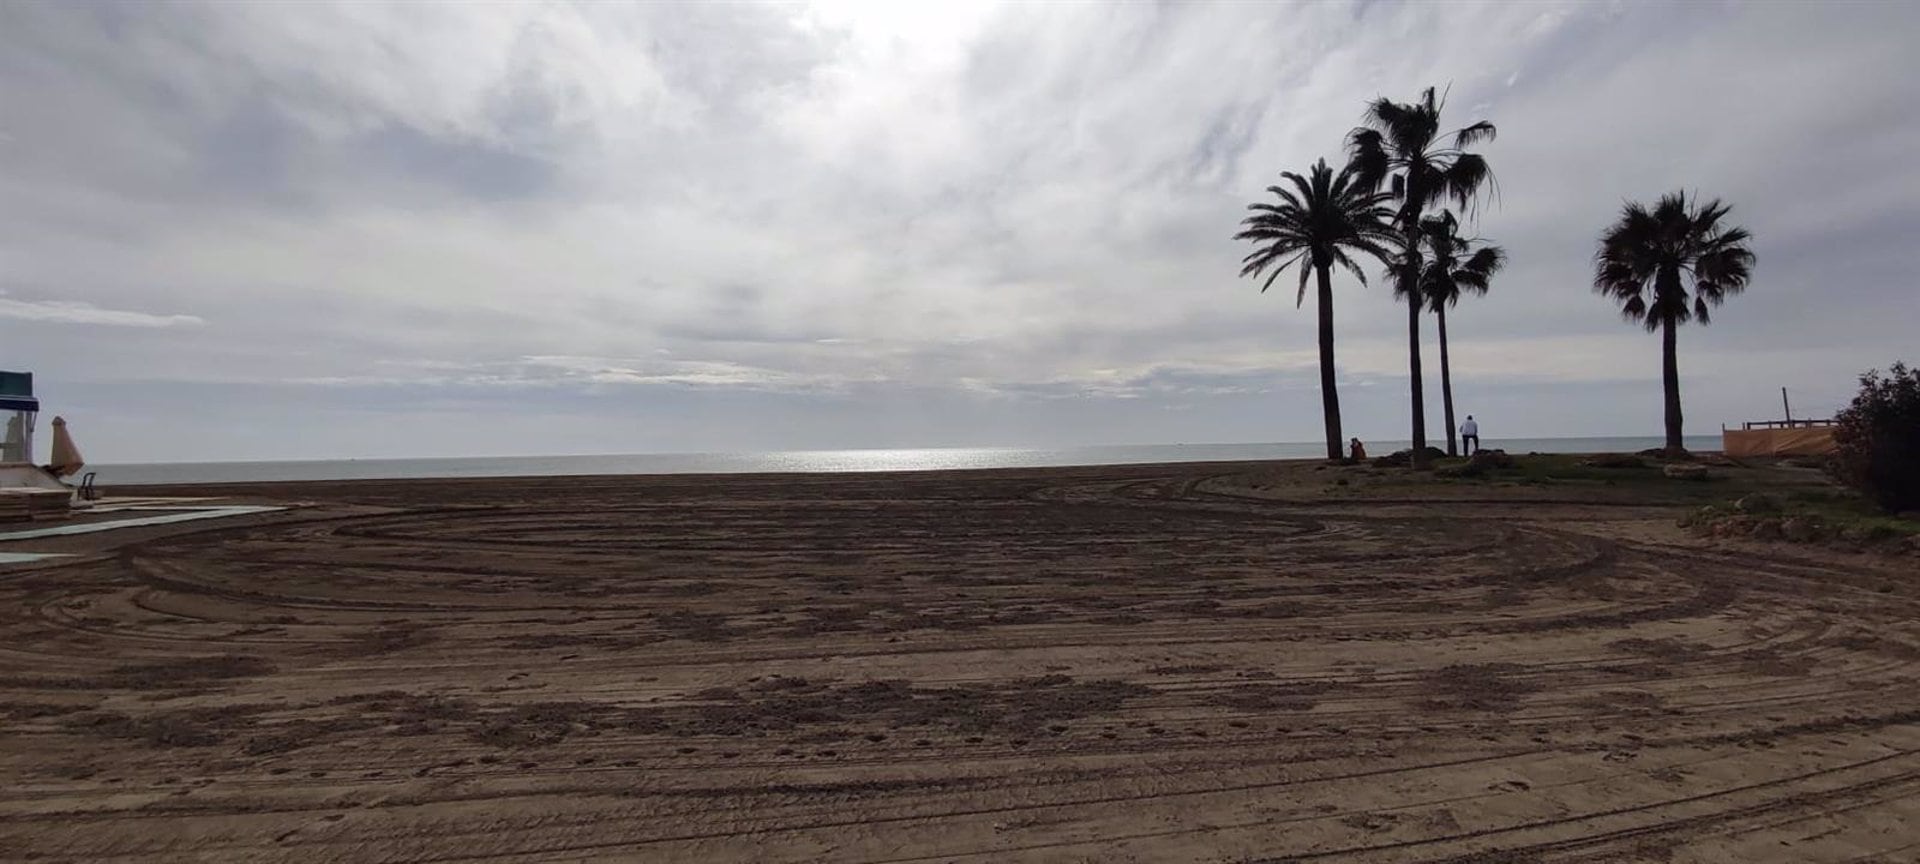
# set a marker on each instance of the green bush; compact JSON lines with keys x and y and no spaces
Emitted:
{"x":1878,"y":439}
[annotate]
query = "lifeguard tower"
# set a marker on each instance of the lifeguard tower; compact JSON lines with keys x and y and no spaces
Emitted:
{"x":19,"y":409}
{"x":27,"y":490}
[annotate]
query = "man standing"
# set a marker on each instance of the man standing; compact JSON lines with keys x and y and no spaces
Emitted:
{"x":1470,"y":436}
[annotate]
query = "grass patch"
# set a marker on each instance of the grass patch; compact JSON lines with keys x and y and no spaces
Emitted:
{"x":1830,"y":516}
{"x":1645,"y":482}
{"x":1848,"y":510}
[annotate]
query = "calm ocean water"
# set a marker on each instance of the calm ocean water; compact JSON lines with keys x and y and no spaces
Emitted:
{"x":799,"y":460}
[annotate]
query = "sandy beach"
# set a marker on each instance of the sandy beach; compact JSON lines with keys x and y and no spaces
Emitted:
{"x":1212,"y":662}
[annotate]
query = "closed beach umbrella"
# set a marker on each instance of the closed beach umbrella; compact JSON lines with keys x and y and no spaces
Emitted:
{"x":66,"y":457}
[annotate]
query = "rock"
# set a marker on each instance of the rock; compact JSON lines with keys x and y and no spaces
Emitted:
{"x":1404,"y":458}
{"x":1765,"y":529}
{"x":1400,"y":458}
{"x":1758,"y":502}
{"x":1685,"y":471}
{"x":1614,"y":460}
{"x":1732,"y":526}
{"x":1802,"y":529}
{"x":1862,"y":536}
{"x":1489,"y":460}
{"x":1700,"y":519}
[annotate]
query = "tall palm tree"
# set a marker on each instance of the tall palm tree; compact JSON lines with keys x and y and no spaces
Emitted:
{"x":1645,"y":262}
{"x":1402,"y":142}
{"x":1317,"y":224}
{"x":1456,"y":266}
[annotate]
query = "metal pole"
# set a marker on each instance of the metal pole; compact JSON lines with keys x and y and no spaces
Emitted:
{"x":1786,"y":407}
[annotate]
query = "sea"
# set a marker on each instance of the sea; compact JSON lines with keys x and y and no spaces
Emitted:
{"x":799,"y":461}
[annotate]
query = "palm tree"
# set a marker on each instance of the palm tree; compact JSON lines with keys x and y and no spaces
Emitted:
{"x":1645,"y":262}
{"x":1402,"y":142}
{"x":1317,"y":223}
{"x":1455,"y":268}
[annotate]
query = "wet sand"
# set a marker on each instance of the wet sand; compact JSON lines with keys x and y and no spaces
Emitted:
{"x":1158,"y":663}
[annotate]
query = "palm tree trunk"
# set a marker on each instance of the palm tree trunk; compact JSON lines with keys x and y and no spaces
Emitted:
{"x":1670,"y":381}
{"x":1413,"y":373}
{"x":1329,"y":397}
{"x":1410,"y":282}
{"x":1446,"y":383}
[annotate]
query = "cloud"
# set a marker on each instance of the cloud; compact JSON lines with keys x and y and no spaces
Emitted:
{"x":69,"y":312}
{"x":915,"y":209}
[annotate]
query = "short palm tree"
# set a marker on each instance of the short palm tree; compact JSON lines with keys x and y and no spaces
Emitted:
{"x":1455,"y":266}
{"x":1646,"y":261}
{"x":1322,"y":221}
{"x":1403,"y":143}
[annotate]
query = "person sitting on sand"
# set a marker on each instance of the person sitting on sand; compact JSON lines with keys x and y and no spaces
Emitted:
{"x":1470,"y":436}
{"x":1358,"y":451}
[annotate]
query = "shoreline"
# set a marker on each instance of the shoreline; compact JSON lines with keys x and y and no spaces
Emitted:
{"x":810,"y":461}
{"x":243,"y":486}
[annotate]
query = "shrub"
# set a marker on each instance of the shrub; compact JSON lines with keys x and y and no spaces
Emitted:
{"x":1878,"y":439}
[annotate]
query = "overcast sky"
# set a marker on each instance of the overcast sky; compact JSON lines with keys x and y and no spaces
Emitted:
{"x":299,"y":230}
